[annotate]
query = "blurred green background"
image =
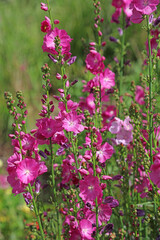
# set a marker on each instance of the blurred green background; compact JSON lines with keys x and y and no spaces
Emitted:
{"x":21,"y":58}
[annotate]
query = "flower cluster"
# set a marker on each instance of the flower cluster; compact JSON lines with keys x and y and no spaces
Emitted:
{"x":92,"y":152}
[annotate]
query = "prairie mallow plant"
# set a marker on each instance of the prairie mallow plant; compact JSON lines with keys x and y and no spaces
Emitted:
{"x":97,"y":160}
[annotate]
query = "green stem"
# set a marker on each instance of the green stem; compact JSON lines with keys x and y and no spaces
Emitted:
{"x":36,"y":212}
{"x":150,"y":94}
{"x":54,"y":191}
{"x":50,"y":15}
{"x":97,"y":232}
{"x":122,"y":60}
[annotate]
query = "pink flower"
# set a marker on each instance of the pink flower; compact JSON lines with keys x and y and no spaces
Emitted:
{"x":28,"y":142}
{"x":142,"y":7}
{"x":116,"y":125}
{"x":72,"y":123}
{"x":94,"y":62}
{"x":89,"y":188}
{"x":136,"y":17}
{"x":16,"y":184}
{"x":139,"y":95}
{"x":86,"y":229}
{"x":124,"y":137}
{"x":47,"y":127}
{"x":104,"y":214}
{"x":27,"y":170}
{"x":145,"y":6}
{"x":46,"y":25}
{"x":155,"y":172}
{"x":54,"y":39}
{"x":116,"y":15}
{"x":44,"y":7}
{"x":107,"y":79}
{"x":118,"y":3}
{"x":105,"y":152}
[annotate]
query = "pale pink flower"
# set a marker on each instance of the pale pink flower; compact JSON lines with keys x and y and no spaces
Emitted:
{"x":116,"y":125}
{"x":124,"y":137}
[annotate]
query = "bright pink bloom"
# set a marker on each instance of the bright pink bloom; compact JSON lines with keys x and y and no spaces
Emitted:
{"x":107,"y":79}
{"x":145,"y":6}
{"x":28,"y":142}
{"x":118,"y":3}
{"x":56,"y":38}
{"x":104,"y":214}
{"x":105,"y":152}
{"x":155,"y":172}
{"x":116,"y":15}
{"x":44,"y":7}
{"x":89,"y":188}
{"x":139,"y":95}
{"x":46,"y":25}
{"x":86,"y":229}
{"x":16,"y":184}
{"x":72,"y":123}
{"x":27,"y":170}
{"x":94,"y":62}
{"x":136,"y":17}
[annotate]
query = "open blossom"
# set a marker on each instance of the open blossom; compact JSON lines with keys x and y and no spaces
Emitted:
{"x":142,"y":7}
{"x":94,"y":62}
{"x":105,"y":152}
{"x":27,"y":170}
{"x":89,"y":188}
{"x":56,"y":38}
{"x":72,"y":123}
{"x":123,"y":131}
{"x":104,"y":214}
{"x":46,"y":25}
{"x":107,"y":79}
{"x":86,"y":229}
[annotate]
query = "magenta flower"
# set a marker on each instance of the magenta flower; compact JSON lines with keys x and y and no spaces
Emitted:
{"x":94,"y":62}
{"x":139,"y":95}
{"x":56,"y":38}
{"x":107,"y":79}
{"x":104,"y":214}
{"x":145,"y":6}
{"x":86,"y":229}
{"x":142,"y":7}
{"x":72,"y":123}
{"x":155,"y":172}
{"x":46,"y":25}
{"x":89,"y":188}
{"x":27,"y":170}
{"x":44,"y":7}
{"x":105,"y":152}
